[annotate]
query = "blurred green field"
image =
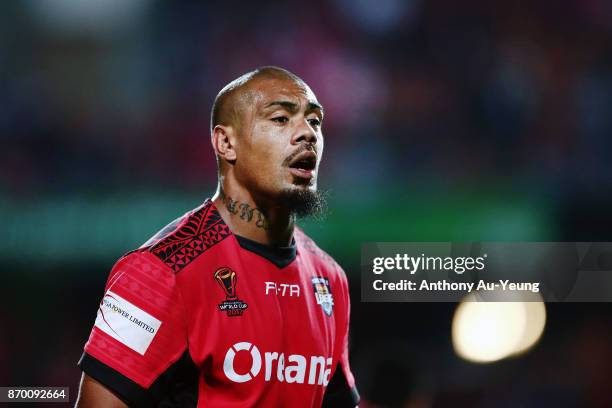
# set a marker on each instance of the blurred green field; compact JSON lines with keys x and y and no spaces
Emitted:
{"x":101,"y":228}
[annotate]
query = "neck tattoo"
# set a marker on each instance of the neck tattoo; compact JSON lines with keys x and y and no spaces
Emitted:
{"x":245,"y":211}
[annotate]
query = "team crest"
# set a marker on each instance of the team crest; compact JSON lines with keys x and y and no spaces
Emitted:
{"x":227,"y":279}
{"x":323,"y":294}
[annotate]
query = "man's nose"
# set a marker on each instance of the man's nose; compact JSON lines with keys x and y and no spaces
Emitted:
{"x":305,"y":133}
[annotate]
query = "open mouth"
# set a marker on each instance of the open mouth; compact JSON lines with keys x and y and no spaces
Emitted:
{"x":303,"y":165}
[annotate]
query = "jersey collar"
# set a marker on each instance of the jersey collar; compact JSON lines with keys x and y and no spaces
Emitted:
{"x":279,"y":256}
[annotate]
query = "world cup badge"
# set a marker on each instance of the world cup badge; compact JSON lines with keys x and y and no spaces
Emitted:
{"x":323,"y":294}
{"x":227,"y":279}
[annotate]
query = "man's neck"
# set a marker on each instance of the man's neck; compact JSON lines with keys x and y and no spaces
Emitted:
{"x":266,"y":224}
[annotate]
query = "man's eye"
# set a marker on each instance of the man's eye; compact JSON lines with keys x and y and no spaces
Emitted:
{"x":280,"y":119}
{"x":315,"y":123}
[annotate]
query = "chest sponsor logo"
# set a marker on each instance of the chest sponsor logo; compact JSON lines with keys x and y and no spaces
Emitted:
{"x":227,"y":280}
{"x":323,"y":294}
{"x":126,"y":323}
{"x":282,"y":289}
{"x":295,"y":368}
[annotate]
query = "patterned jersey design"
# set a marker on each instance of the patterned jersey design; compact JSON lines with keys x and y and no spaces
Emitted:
{"x":203,"y":229}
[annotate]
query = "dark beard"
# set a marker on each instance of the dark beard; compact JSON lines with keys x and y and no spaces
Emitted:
{"x":305,"y":203}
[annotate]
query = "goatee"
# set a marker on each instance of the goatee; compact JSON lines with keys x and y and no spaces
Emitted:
{"x":305,"y":203}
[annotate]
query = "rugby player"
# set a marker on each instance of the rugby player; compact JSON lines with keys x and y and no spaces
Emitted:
{"x":232,"y":305}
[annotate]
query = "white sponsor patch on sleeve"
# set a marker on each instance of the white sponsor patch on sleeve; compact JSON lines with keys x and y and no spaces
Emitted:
{"x":126,"y":323}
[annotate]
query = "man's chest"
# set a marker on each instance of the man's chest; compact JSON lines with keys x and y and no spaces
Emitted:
{"x":248,"y":320}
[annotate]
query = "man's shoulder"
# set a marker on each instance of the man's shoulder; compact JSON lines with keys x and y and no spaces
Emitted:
{"x":310,"y":248}
{"x":187,"y":237}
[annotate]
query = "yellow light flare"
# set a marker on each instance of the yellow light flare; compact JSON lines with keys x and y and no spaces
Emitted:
{"x":485,"y":332}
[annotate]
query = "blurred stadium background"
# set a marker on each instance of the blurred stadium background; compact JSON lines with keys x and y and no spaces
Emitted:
{"x":445,"y":121}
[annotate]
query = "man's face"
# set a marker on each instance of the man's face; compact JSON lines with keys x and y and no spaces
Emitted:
{"x":280,"y":141}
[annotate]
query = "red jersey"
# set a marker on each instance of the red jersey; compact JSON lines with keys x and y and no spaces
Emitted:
{"x":200,"y":316}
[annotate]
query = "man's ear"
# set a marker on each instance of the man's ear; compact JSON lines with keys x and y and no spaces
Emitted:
{"x":224,"y":142}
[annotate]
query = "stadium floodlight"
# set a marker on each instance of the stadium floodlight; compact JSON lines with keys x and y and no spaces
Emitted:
{"x":485,"y":332}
